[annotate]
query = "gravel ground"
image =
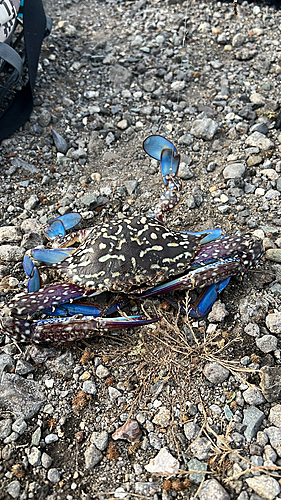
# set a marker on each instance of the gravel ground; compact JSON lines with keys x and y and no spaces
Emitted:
{"x":135,"y":413}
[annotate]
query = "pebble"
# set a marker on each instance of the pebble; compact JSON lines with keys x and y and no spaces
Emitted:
{"x":196,"y":465}
{"x":265,"y":486}
{"x":162,"y":418}
{"x":14,"y":489}
{"x":92,"y":456}
{"x":201,"y":448}
{"x":163,"y":463}
{"x":21,"y":396}
{"x":273,"y":322}
{"x":5,"y":428}
{"x":53,"y":475}
{"x":218,"y":312}
{"x":274,"y":435}
{"x":34,"y":457}
{"x":51,"y":438}
{"x":256,"y":139}
{"x":212,"y":489}
{"x":10,"y":234}
{"x":204,"y":129}
{"x":234,"y":171}
{"x":11,"y":253}
{"x":191,"y":430}
{"x":252,"y":329}
{"x":253,"y":418}
{"x":253,"y":396}
{"x":46,"y":460}
{"x":215,"y":373}
{"x":19,"y":426}
{"x":130,"y":431}
{"x":102,"y":371}
{"x":275,"y":415}
{"x":100,"y":440}
{"x":114,"y":394}
{"x":267,"y":343}
{"x":89,"y":387}
{"x":271,"y":382}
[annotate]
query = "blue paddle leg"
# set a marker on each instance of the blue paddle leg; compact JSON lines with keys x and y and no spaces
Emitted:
{"x":85,"y":309}
{"x":51,"y":255}
{"x":34,"y":283}
{"x":211,"y":234}
{"x":154,"y":145}
{"x":206,"y":299}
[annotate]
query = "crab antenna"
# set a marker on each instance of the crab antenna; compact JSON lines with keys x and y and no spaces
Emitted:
{"x":163,"y":150}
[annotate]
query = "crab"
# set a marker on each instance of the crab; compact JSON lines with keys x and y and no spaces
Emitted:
{"x":135,"y":257}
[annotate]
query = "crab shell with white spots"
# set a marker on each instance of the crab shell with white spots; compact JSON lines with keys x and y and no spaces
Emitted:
{"x":127,"y":255}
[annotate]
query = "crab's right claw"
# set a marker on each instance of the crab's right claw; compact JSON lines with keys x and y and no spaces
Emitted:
{"x":57,"y":227}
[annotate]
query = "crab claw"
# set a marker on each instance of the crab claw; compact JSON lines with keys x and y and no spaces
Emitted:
{"x":155,"y":144}
{"x":57,"y":227}
{"x":68,"y":329}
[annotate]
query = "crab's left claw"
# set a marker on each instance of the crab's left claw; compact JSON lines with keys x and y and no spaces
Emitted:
{"x":57,"y":227}
{"x":68,"y":329}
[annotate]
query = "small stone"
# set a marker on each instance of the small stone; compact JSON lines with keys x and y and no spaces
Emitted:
{"x":10,"y":234}
{"x":212,"y":489}
{"x":51,"y":438}
{"x":273,"y":254}
{"x":123,"y":124}
{"x":162,"y":418}
{"x":46,"y":460}
{"x":92,"y":456}
{"x":146,"y":488}
{"x":113,"y":393}
{"x":14,"y":489}
{"x":32,"y":202}
{"x":20,"y":396}
{"x":102,"y":371}
{"x":253,"y":396}
{"x":201,"y":448}
{"x":215,"y":373}
{"x":273,"y":322}
{"x":23,"y":367}
{"x":252,"y":329}
{"x":267,"y":343}
{"x":191,"y":430}
{"x":129,"y":431}
{"x":218,"y":312}
{"x":19,"y":426}
{"x":256,"y":139}
{"x":265,"y":486}
{"x":11,"y":253}
{"x":36,"y":437}
{"x":53,"y":475}
{"x":5,"y":428}
{"x":45,"y":118}
{"x":185,"y":172}
{"x":163,"y":463}
{"x":271,"y":382}
{"x":204,"y":129}
{"x":34,"y":457}
{"x":234,"y":171}
{"x":89,"y":387}
{"x":131,"y":185}
{"x":178,"y":86}
{"x":100,"y":440}
{"x":274,"y":434}
{"x":194,"y":464}
{"x":253,"y":418}
{"x":275,"y":415}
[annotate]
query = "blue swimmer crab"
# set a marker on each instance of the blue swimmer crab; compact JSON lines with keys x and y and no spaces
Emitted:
{"x":132,"y":256}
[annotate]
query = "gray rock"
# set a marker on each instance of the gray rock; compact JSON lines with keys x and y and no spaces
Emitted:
{"x":46,"y":460}
{"x":13,"y":489}
{"x":19,"y":426}
{"x":265,"y":486}
{"x":89,"y":387}
{"x":10,"y":234}
{"x":252,"y":329}
{"x":5,"y":428}
{"x":191,"y":430}
{"x":274,"y":434}
{"x":213,"y":490}
{"x":131,"y":185}
{"x":186,"y":139}
{"x":234,"y":171}
{"x":51,"y":438}
{"x":267,"y":343}
{"x":253,"y":418}
{"x":269,"y":453}
{"x":146,"y":488}
{"x":194,"y":464}
{"x":22,"y":397}
{"x":215,"y":373}
{"x":201,"y":448}
{"x":253,"y":396}
{"x":36,"y":437}
{"x":185,"y":172}
{"x":102,"y":371}
{"x":45,"y":118}
{"x":63,"y":365}
{"x":100,"y":440}
{"x":162,"y":417}
{"x":204,"y":129}
{"x":273,"y":322}
{"x":218,"y":312}
{"x":53,"y":475}
{"x":271,"y":382}
{"x":23,"y":367}
{"x":256,"y":139}
{"x":32,"y":202}
{"x":10,"y":253}
{"x":275,"y":415}
{"x":88,"y":200}
{"x":119,"y":76}
{"x":34,"y":457}
{"x":92,"y":456}
{"x":114,"y":393}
